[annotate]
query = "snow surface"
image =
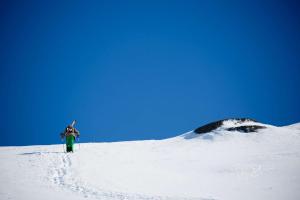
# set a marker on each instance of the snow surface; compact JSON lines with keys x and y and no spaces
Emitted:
{"x":294,"y":126}
{"x":220,"y":165}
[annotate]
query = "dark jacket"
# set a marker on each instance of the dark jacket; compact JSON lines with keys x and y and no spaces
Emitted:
{"x":70,"y":131}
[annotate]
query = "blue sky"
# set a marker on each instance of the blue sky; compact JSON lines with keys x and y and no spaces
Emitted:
{"x":144,"y":69}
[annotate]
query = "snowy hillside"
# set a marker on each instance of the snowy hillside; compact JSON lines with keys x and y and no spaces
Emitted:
{"x":220,"y":164}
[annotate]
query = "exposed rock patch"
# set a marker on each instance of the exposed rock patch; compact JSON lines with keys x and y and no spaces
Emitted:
{"x":236,"y":121}
{"x":246,"y":129}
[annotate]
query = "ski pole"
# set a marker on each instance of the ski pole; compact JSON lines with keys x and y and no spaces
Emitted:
{"x":63,"y":146}
{"x":78,"y":142}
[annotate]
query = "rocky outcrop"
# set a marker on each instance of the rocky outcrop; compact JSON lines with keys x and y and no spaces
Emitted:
{"x":209,"y":127}
{"x":246,"y":129}
{"x":236,"y":121}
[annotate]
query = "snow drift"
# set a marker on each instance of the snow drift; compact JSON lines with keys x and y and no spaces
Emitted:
{"x":225,"y":163}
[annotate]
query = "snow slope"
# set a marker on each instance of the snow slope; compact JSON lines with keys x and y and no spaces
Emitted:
{"x":218,"y":165}
{"x":294,"y":126}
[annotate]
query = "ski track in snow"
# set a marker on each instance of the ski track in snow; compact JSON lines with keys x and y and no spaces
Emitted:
{"x":61,"y":175}
{"x":219,"y":165}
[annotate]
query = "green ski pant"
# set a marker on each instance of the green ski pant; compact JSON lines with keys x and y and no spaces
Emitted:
{"x":70,"y":143}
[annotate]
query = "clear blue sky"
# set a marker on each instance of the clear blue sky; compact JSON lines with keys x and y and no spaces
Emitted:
{"x":144,"y":69}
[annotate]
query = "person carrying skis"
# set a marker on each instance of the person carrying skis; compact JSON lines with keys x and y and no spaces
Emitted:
{"x":70,"y":134}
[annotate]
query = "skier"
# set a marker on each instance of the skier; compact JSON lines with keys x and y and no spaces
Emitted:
{"x":70,"y":134}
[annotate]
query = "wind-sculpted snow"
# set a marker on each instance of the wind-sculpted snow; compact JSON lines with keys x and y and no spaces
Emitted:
{"x":221,"y":165}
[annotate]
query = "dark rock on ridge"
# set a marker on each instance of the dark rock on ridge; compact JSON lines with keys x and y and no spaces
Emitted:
{"x":214,"y":125}
{"x":246,"y":129}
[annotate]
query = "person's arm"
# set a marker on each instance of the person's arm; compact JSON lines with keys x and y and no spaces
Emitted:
{"x":63,"y":134}
{"x":76,"y":132}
